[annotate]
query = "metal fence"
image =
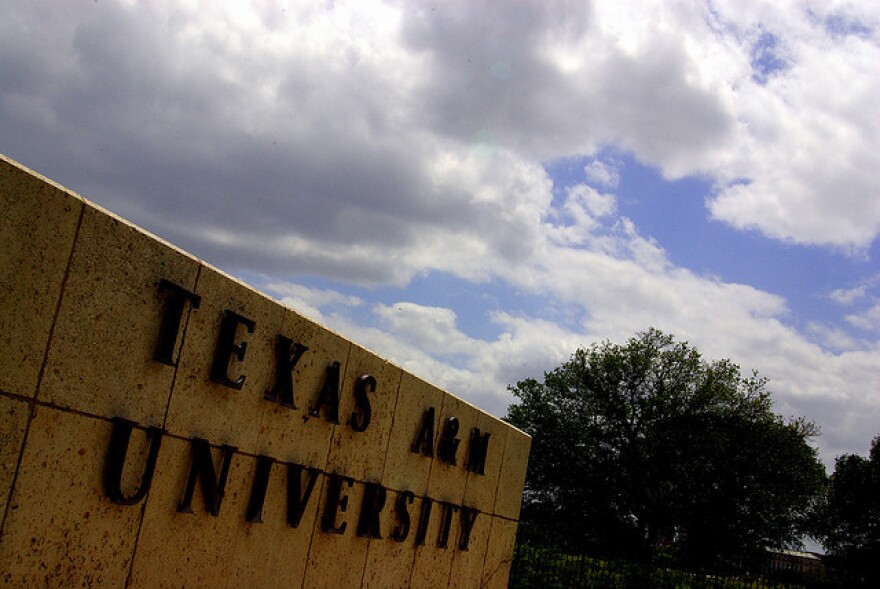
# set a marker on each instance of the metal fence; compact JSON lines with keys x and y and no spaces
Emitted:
{"x":543,"y":568}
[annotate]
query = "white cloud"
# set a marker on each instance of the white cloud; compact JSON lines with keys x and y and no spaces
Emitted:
{"x":428,"y":342}
{"x":360,"y":113}
{"x":805,"y":167}
{"x":602,"y":172}
{"x":868,"y":320}
{"x":582,"y":213}
{"x":592,"y":202}
{"x":620,"y":298}
{"x":833,"y":338}
{"x":676,"y":84}
{"x":310,"y":301}
{"x":848,"y":296}
{"x":372,"y":142}
{"x":432,"y":329}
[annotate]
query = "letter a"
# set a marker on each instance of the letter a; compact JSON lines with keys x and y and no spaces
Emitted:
{"x":424,"y":443}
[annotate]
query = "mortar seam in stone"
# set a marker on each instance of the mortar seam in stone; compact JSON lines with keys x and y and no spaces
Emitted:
{"x":500,"y":472}
{"x":180,"y":352}
{"x":137,"y":536}
{"x":302,"y":582}
{"x":391,"y":429}
{"x":238,"y":451}
{"x":427,"y":489}
{"x":382,"y":474}
{"x":323,"y":480}
{"x":326,"y":473}
{"x":32,"y":401}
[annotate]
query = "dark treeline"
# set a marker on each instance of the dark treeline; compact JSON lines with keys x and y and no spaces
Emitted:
{"x":646,"y":449}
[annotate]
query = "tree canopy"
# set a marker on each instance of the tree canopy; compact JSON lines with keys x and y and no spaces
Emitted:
{"x":850,"y":518}
{"x":646,"y":444}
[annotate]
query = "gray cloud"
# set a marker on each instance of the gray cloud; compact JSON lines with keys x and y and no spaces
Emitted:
{"x":371,"y":142}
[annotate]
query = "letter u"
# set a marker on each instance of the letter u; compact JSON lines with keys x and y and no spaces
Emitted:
{"x":116,"y":454}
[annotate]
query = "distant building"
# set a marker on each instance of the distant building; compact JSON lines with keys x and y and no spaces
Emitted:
{"x":808,"y":564}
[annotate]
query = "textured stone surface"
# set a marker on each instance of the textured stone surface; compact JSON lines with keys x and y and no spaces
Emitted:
{"x":101,"y":356}
{"x":60,"y":530}
{"x":194,"y":546}
{"x":389,"y":563}
{"x":499,"y":554}
{"x":201,"y":407}
{"x":362,"y":454}
{"x":513,"y":474}
{"x":13,"y":421}
{"x":404,"y":469}
{"x":447,"y":481}
{"x":293,"y":435}
{"x":61,"y":384}
{"x":337,"y":559}
{"x":221,"y":551}
{"x":37,"y":229}
{"x":467,"y":565}
{"x":276,"y":552}
{"x":432,"y":564}
{"x":481,"y":489}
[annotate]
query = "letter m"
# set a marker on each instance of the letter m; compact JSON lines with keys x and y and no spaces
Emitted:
{"x":477,"y":449}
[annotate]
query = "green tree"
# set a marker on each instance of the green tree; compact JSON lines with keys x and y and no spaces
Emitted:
{"x":645,"y":444}
{"x":850,"y":521}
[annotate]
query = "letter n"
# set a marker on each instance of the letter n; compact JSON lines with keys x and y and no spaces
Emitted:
{"x":202,"y":470}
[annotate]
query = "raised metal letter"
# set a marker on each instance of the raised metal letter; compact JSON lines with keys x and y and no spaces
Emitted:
{"x":477,"y":449}
{"x":287,"y":354}
{"x":329,"y":396}
{"x":371,"y":507}
{"x":203,"y":470}
{"x":226,"y":347}
{"x":116,"y":454}
{"x":359,"y":421}
{"x":448,"y":442}
{"x":171,"y":318}
{"x":258,"y":490}
{"x":424,"y":442}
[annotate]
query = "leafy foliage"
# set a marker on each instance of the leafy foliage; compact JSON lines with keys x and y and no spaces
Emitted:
{"x":850,"y":519}
{"x":550,"y":569}
{"x":646,"y":445}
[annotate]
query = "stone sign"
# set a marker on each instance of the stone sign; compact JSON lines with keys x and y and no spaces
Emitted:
{"x":162,"y":424}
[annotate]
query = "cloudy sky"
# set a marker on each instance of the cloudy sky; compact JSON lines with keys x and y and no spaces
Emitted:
{"x":474,"y":189}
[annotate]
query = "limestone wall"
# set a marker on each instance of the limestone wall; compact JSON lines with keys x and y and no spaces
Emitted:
{"x":326,"y":466}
